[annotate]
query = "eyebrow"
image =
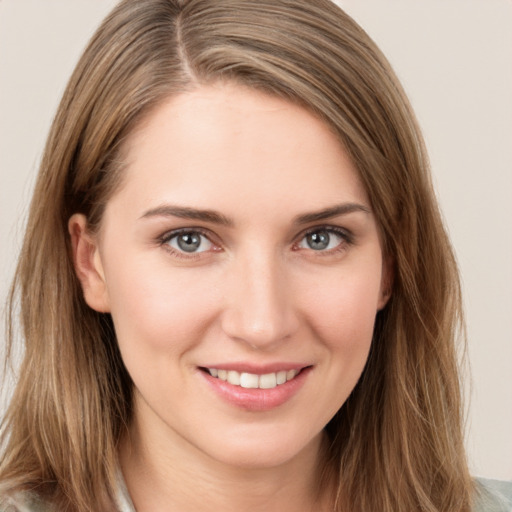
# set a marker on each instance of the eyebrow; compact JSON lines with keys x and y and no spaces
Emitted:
{"x":184,"y":212}
{"x":332,"y":211}
{"x":212,"y":216}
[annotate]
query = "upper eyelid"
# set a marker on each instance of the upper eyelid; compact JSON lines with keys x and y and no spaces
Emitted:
{"x":326,"y":227}
{"x":165,"y":237}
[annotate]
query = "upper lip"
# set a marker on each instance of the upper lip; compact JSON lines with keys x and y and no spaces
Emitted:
{"x":243,"y":367}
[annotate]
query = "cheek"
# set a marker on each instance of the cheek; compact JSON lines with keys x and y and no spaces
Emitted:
{"x":342,"y":311}
{"x":155,"y":309}
{"x":341,"y":314}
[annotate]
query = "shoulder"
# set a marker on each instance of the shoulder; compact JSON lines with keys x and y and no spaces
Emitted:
{"x":25,"y":501}
{"x":493,"y":496}
{"x":22,"y":502}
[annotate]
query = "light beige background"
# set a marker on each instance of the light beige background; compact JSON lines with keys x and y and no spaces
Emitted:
{"x":455,"y":60}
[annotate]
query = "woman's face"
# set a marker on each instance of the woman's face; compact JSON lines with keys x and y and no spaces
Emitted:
{"x":240,"y":246}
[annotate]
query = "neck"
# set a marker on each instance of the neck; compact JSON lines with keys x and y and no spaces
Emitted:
{"x":165,"y":473}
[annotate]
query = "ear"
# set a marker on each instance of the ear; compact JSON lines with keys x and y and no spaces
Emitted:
{"x":88,"y":265}
{"x":386,"y":285}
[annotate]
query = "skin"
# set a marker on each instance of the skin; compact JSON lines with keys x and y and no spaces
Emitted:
{"x":255,"y":292}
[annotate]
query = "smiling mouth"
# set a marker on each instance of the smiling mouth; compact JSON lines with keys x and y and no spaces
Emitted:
{"x":252,"y":380}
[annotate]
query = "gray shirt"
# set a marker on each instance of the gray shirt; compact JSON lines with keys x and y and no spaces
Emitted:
{"x":492,"y":496}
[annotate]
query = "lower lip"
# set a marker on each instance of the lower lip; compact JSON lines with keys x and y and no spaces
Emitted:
{"x":256,"y":399}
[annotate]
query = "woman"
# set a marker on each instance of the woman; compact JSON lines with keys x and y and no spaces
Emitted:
{"x":235,"y":283}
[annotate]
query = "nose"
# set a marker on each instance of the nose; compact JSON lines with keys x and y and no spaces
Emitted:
{"x":259,"y":307}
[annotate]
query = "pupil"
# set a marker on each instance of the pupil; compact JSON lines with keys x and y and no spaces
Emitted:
{"x":318,"y":240}
{"x":189,"y":242}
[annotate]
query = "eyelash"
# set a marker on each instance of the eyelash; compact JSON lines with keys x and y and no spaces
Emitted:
{"x":345,"y":235}
{"x":347,"y":239}
{"x":167,"y":237}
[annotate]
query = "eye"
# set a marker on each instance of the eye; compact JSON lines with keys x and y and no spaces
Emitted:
{"x":322,"y":240}
{"x":189,"y":242}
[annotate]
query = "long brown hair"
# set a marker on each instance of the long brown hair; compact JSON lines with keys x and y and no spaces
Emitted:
{"x":397,"y":443}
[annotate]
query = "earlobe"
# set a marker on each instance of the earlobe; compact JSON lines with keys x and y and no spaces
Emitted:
{"x":386,"y":283}
{"x":87,"y":263}
{"x":384,"y":298}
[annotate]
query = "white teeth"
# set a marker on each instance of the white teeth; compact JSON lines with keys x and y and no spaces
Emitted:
{"x":234,"y":378}
{"x":249,"y":380}
{"x":290,"y":374}
{"x":281,"y":377}
{"x":252,"y":380}
{"x":268,"y":381}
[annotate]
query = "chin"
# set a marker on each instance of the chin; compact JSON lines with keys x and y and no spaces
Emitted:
{"x":264,"y":451}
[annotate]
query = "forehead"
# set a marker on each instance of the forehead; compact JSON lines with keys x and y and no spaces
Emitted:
{"x":230,"y":144}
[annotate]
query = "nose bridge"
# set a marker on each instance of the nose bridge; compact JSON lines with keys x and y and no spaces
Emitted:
{"x":260,"y":308}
